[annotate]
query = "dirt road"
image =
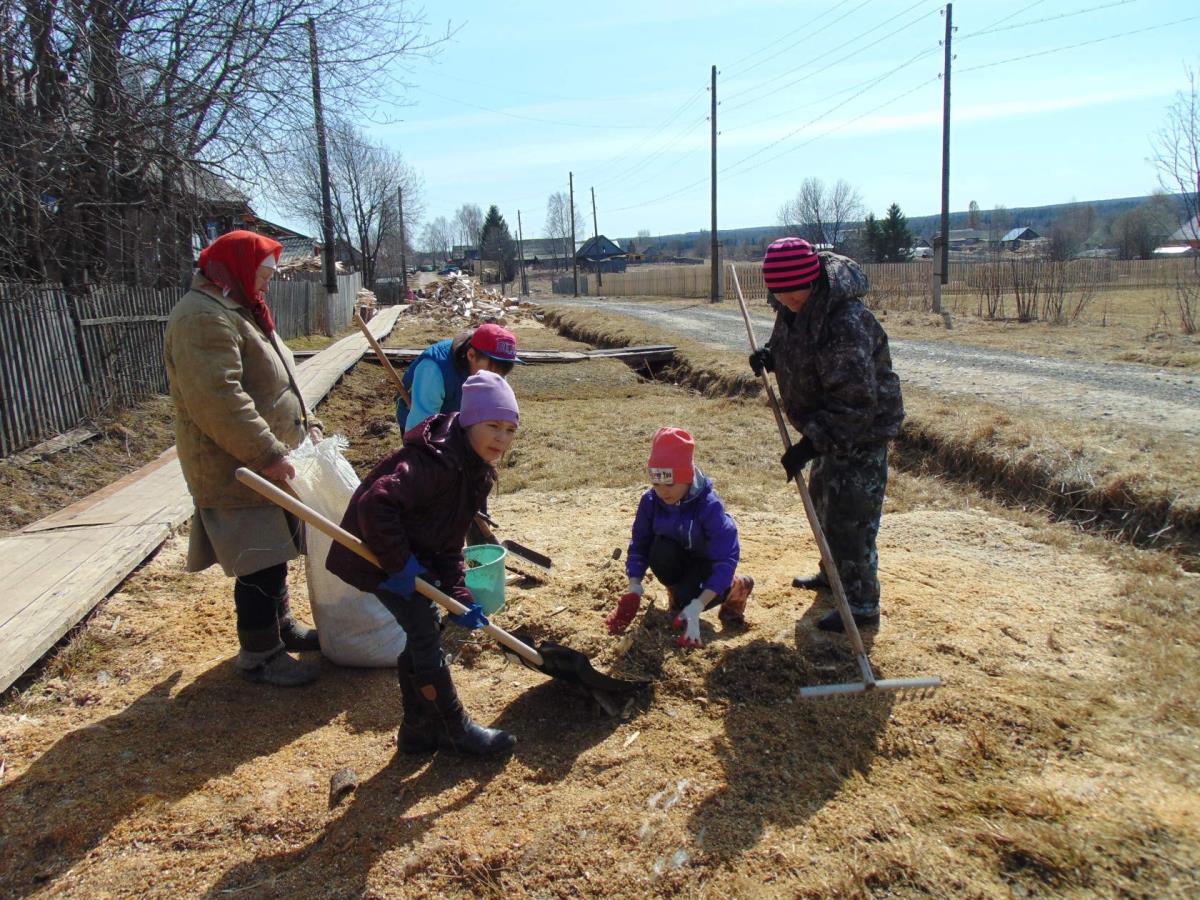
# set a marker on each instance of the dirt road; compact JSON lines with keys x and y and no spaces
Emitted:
{"x":1133,"y":394}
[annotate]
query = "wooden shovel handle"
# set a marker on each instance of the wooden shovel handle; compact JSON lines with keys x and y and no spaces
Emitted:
{"x":309,"y":515}
{"x":830,"y":565}
{"x":387,"y":363}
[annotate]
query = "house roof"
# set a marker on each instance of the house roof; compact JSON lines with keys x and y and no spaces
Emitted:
{"x":967,"y":234}
{"x":599,"y":247}
{"x":1024,"y":233}
{"x":1190,"y":231}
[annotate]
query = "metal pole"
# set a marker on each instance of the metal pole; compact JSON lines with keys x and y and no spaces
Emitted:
{"x":716,"y":263}
{"x":596,"y":233}
{"x":574,"y":261}
{"x":403,"y":257}
{"x":323,"y":161}
{"x":945,"y":255}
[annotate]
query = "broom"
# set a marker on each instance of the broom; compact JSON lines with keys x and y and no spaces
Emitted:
{"x":909,"y":688}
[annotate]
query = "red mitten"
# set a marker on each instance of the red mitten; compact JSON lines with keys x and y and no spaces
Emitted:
{"x":627,"y":608}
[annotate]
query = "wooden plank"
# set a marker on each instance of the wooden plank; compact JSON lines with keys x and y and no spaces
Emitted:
{"x":56,"y":444}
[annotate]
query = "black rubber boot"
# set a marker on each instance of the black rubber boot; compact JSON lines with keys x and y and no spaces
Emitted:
{"x":263,"y":660}
{"x":446,"y":725}
{"x":415,"y":734}
{"x":832,"y":621}
{"x":296,"y":636}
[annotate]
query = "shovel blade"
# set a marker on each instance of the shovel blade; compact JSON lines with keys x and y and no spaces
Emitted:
{"x":540,"y":560}
{"x":564,"y":664}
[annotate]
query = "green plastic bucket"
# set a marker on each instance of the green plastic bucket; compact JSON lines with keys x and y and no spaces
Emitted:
{"x":485,"y":575}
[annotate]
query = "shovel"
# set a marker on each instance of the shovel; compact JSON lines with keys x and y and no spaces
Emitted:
{"x":908,"y":688}
{"x":550,"y":659}
{"x":541,"y":560}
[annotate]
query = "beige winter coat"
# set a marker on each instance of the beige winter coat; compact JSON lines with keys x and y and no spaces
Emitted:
{"x":235,"y":404}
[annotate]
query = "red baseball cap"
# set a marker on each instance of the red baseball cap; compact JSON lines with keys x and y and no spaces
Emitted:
{"x":498,"y":343}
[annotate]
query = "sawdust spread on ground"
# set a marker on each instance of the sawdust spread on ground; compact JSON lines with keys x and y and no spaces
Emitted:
{"x":1042,"y":768}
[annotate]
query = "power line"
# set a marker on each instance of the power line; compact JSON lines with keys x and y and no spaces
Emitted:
{"x":1111,"y":37}
{"x":813,"y":61}
{"x":809,"y":33}
{"x":1011,"y":15}
{"x":991,"y":29}
{"x":652,"y":136}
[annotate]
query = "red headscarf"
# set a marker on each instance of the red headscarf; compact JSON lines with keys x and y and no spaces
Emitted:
{"x":232,"y":261}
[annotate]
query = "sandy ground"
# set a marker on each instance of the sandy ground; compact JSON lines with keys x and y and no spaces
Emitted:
{"x":1060,"y":759}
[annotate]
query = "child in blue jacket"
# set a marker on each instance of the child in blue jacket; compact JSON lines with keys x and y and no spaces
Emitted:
{"x":682,"y":533}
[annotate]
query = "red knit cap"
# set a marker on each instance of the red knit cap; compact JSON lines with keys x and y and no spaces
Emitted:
{"x":671,"y":457}
{"x":791,"y":264}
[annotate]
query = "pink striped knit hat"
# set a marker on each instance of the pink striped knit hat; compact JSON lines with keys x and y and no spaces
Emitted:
{"x":791,"y":264}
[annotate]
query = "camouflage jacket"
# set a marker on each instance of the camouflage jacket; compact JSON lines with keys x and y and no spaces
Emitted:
{"x":833,"y":365}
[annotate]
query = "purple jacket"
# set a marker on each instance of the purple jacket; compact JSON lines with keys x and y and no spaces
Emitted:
{"x":699,"y":523}
{"x":419,"y":500}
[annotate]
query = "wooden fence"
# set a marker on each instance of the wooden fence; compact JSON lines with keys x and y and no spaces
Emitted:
{"x":909,"y":279}
{"x":66,"y":360}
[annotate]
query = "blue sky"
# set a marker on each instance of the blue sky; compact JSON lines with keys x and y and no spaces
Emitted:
{"x":618,"y":94}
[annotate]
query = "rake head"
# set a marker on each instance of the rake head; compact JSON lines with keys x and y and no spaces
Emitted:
{"x":904,"y":688}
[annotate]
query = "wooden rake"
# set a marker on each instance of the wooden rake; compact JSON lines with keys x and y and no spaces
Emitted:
{"x":907,"y":688}
{"x":483,"y":522}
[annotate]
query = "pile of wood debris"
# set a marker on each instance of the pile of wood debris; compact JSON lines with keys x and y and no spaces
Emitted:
{"x":310,"y":264}
{"x":366,"y":304}
{"x":459,"y":299}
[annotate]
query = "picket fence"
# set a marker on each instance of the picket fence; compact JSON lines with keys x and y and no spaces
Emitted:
{"x":910,"y":277}
{"x":69,"y":359}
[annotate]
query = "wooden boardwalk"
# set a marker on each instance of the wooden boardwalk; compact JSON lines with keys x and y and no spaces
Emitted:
{"x":56,"y":570}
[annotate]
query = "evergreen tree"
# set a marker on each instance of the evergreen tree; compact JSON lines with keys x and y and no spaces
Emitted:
{"x":894,"y":236}
{"x":871,"y":239}
{"x":496,"y":244}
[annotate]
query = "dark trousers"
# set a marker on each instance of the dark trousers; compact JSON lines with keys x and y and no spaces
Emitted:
{"x":681,"y":571}
{"x":417,"y":617}
{"x":257,"y":595}
{"x":847,"y":491}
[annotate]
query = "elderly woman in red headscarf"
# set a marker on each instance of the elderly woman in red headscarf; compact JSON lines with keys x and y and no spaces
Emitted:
{"x":237,"y":404}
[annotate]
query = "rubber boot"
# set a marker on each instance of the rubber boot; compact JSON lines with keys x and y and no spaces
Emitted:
{"x":733,"y":607}
{"x":415,"y":735}
{"x":296,"y":636}
{"x":832,"y":620}
{"x":811,"y":582}
{"x":263,"y":660}
{"x":446,"y":725}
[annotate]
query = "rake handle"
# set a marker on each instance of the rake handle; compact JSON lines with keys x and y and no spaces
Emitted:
{"x":309,"y":515}
{"x":831,"y":569}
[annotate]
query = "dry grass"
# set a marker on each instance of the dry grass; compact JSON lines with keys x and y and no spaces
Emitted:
{"x":1059,"y":760}
{"x":1118,"y":479}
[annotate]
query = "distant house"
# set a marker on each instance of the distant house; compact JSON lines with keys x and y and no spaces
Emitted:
{"x":545,"y":253}
{"x":1188,"y":235}
{"x":1014,"y":238}
{"x":967,"y":238}
{"x":599,"y":254}
{"x":297,"y":247}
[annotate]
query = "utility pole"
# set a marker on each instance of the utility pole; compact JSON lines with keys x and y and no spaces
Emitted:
{"x":521,"y":254}
{"x":403,"y":257}
{"x":596,"y":233}
{"x":323,"y":160}
{"x":716,"y":263}
{"x":574,"y":261}
{"x":943,"y":272}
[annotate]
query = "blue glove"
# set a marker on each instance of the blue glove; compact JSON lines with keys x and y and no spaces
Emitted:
{"x":404,"y":582}
{"x":473,"y":618}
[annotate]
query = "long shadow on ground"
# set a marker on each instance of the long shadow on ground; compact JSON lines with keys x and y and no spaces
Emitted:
{"x":162,"y":747}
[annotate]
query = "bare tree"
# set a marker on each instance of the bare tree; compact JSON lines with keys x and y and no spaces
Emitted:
{"x":973,"y":218}
{"x":437,"y":238}
{"x":114,"y":114}
{"x":820,"y":214}
{"x":558,"y":223}
{"x":1070,"y":231}
{"x":468,"y":223}
{"x":364,"y":179}
{"x":1177,"y":157}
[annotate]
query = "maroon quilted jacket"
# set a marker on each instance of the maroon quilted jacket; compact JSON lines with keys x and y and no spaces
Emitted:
{"x":419,"y":500}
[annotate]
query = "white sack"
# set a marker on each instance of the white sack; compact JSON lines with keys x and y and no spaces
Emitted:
{"x":355,"y":628}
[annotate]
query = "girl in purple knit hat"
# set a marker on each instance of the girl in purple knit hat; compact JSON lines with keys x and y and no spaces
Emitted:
{"x":413,"y":511}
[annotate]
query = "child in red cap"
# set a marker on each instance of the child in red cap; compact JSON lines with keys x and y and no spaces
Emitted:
{"x":683,"y":533}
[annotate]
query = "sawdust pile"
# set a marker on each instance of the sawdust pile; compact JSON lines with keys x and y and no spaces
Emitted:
{"x":458,"y":300}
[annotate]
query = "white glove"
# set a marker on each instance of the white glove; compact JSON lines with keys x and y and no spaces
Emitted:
{"x":635,"y":587}
{"x":689,"y":619}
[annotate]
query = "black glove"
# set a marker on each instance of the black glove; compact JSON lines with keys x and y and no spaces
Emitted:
{"x":797,"y":457}
{"x":760,"y":361}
